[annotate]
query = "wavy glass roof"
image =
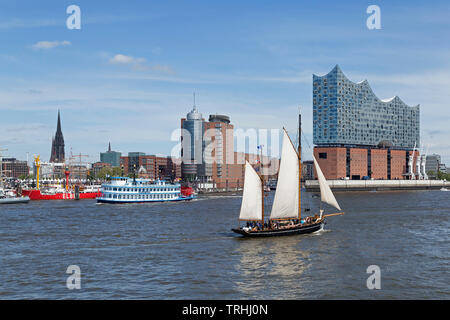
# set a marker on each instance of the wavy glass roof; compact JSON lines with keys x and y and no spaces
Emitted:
{"x":349,"y":113}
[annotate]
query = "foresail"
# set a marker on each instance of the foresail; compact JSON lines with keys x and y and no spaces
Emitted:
{"x":325,"y":192}
{"x":285,"y":203}
{"x":251,"y":207}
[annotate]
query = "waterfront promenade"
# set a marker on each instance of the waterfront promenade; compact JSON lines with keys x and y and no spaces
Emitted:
{"x":378,"y":185}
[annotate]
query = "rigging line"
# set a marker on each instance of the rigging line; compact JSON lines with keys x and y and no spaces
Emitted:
{"x":306,"y":140}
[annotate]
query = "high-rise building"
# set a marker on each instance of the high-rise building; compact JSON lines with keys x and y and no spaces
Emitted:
{"x":207,"y":147}
{"x":359,"y":136}
{"x":208,"y":154}
{"x":57,"y":153}
{"x":218,"y":156}
{"x":111,"y":157}
{"x":192,"y":145}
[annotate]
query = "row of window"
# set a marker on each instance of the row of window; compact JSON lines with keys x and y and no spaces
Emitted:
{"x":160,"y":196}
{"x":122,"y":189}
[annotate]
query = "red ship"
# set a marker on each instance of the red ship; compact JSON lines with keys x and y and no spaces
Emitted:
{"x":58,"y":193}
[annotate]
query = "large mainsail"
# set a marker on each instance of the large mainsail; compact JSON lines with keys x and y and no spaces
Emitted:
{"x":325,"y":192}
{"x":285,"y":203}
{"x":251,"y":207}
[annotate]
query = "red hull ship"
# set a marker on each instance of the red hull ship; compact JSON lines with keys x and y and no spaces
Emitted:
{"x":35,"y":194}
{"x":58,"y":193}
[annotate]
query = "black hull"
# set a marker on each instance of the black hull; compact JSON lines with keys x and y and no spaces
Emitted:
{"x":281,"y":232}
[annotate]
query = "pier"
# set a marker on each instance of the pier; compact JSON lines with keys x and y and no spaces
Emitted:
{"x":378,"y":185}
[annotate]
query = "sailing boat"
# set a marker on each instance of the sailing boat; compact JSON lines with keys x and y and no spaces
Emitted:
{"x":285,"y":217}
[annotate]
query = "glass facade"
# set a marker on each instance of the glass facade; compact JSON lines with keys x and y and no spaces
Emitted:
{"x":349,"y":113}
{"x":192,"y":143}
{"x":111,"y":157}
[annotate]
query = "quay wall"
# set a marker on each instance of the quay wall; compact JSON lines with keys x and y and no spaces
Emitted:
{"x":378,"y":185}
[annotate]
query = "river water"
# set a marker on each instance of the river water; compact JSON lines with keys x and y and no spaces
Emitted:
{"x":187,"y":250}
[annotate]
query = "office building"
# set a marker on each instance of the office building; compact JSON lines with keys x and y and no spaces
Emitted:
{"x":151,"y":166}
{"x":208,"y":154}
{"x":11,"y":167}
{"x":111,"y":157}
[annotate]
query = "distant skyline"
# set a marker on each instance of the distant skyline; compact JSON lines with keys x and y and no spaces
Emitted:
{"x":128,"y":75}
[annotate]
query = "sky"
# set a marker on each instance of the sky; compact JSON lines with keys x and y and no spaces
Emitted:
{"x":128,"y":75}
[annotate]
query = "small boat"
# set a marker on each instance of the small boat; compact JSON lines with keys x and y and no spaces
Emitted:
{"x":285,"y":218}
{"x":9,"y":197}
{"x":444,"y":189}
{"x":132,"y":190}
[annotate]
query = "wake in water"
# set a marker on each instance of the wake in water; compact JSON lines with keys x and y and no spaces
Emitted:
{"x":321,"y":230}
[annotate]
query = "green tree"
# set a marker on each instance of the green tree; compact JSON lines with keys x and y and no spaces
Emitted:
{"x":105,"y":171}
{"x":116,"y":172}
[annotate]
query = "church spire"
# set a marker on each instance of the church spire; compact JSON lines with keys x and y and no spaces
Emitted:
{"x":58,"y":126}
{"x":57,"y":153}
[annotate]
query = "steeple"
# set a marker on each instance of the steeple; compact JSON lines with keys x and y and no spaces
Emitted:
{"x":57,"y":154}
{"x":109,"y":147}
{"x":58,"y":126}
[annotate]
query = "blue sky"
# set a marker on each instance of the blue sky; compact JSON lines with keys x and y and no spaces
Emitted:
{"x":128,"y":75}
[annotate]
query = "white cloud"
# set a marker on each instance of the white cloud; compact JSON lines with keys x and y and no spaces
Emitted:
{"x":123,"y":59}
{"x":140,"y":64}
{"x":50,"y":44}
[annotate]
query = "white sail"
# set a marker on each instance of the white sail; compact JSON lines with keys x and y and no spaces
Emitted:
{"x":251,"y":207}
{"x":325,"y":192}
{"x":285,"y":203}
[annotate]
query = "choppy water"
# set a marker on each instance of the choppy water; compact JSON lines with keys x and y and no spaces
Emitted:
{"x":187,"y":251}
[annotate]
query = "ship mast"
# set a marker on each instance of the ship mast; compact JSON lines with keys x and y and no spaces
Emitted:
{"x":262,"y":184}
{"x":37,"y":161}
{"x":262,"y":199}
{"x":1,"y":167}
{"x":299,"y":165}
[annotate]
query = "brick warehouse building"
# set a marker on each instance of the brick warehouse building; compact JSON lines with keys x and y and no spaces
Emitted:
{"x":359,"y":136}
{"x":154,"y":167}
{"x":11,"y":167}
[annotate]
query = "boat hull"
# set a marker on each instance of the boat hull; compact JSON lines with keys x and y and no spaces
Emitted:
{"x":116,"y":201}
{"x":281,"y":232}
{"x":14,"y":200}
{"x":37,"y":195}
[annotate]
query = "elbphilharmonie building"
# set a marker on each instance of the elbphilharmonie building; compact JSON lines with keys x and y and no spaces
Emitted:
{"x":349,"y":113}
{"x":360,"y":136}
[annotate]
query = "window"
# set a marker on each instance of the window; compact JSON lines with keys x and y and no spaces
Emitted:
{"x":322,"y":155}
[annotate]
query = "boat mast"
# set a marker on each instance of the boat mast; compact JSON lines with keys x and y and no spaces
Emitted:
{"x":299,"y":165}
{"x":262,"y":199}
{"x":1,"y":167}
{"x":37,"y":161}
{"x":262,"y":185}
